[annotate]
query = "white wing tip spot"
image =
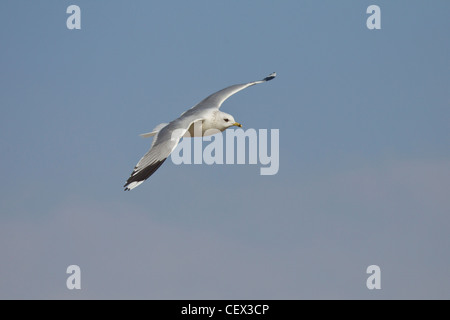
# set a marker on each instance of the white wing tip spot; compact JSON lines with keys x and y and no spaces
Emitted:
{"x":133,"y":185}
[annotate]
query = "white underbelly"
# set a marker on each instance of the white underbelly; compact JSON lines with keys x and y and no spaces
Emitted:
{"x":201,"y":129}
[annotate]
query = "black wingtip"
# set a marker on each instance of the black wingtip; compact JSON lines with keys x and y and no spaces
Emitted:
{"x":143,"y":174}
{"x":270,"y":76}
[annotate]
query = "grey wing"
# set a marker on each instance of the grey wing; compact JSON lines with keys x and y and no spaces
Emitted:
{"x":163,"y":144}
{"x":215,"y":100}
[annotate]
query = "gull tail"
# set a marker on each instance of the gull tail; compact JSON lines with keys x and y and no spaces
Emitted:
{"x":155,"y":131}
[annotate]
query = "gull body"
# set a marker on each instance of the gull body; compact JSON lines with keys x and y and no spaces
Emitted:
{"x":196,"y":121}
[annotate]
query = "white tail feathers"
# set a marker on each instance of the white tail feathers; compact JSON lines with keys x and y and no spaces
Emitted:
{"x":155,"y":131}
{"x":148,"y":134}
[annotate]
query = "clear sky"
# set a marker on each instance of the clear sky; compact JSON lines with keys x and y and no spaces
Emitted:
{"x":364,"y":176}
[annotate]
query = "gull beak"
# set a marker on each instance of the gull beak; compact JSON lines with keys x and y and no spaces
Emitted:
{"x":237,"y":124}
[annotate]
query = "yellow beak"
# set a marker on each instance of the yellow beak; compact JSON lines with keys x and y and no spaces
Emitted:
{"x":237,"y":124}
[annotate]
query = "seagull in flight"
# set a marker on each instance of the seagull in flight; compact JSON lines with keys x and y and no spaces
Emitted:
{"x":206,"y":113}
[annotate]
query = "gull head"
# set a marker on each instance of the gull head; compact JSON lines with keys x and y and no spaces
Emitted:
{"x":226,"y":120}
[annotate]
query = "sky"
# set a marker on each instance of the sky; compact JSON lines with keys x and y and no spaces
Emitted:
{"x":364,"y":174}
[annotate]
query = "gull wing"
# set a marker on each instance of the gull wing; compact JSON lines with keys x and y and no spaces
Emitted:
{"x":164,"y":142}
{"x":215,"y":100}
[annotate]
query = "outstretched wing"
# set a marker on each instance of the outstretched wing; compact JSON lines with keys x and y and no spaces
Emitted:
{"x":163,"y":144}
{"x":215,"y":100}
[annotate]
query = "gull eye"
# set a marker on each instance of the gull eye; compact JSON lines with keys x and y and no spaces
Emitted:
{"x":226,"y":120}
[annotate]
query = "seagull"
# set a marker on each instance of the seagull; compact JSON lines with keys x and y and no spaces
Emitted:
{"x":167,"y":135}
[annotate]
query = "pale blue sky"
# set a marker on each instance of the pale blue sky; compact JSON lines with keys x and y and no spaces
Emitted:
{"x":364,"y":150}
